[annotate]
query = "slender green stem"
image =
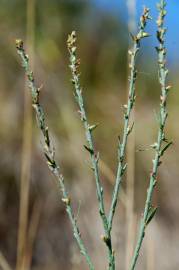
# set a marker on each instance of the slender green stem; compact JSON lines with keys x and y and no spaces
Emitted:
{"x":130,"y":155}
{"x":74,"y":64}
{"x":49,"y":150}
{"x":159,"y":148}
{"x":128,"y":108}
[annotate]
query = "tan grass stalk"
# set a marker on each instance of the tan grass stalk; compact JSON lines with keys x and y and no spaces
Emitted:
{"x":4,"y":265}
{"x":26,"y":147}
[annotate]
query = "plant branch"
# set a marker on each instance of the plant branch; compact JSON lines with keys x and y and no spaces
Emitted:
{"x":49,"y":150}
{"x":162,"y":144}
{"x":128,"y":108}
{"x":74,"y":65}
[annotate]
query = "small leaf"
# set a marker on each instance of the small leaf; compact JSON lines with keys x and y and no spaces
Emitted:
{"x":129,"y":129}
{"x":168,"y":87}
{"x":159,"y":36}
{"x":47,"y":139}
{"x":89,"y":150}
{"x":151,"y":214}
{"x":93,"y":127}
{"x":165,"y":148}
{"x":141,"y":35}
{"x":66,"y":200}
{"x":106,"y":240}
{"x":50,"y":162}
{"x":145,"y":34}
{"x":123,"y":169}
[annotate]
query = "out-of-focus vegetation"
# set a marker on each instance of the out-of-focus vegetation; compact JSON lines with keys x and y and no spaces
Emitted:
{"x":103,"y":45}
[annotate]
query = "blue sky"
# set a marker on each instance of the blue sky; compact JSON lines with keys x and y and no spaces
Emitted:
{"x":172,"y":20}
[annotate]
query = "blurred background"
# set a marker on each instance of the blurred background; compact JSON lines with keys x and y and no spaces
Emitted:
{"x":35,"y":232}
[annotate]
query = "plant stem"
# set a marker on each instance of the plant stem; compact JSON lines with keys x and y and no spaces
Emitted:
{"x":130,"y":156}
{"x":49,"y":150}
{"x":26,"y":149}
{"x":4,"y":263}
{"x":149,"y":210}
{"x":128,"y":108}
{"x":74,"y":64}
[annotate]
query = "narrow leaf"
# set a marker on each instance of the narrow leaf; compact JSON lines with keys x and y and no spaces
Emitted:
{"x":130,"y":129}
{"x":50,"y":162}
{"x":47,"y":140}
{"x":93,"y":127}
{"x":124,"y":169}
{"x":165,"y":148}
{"x":151,"y":214}
{"x":89,"y":150}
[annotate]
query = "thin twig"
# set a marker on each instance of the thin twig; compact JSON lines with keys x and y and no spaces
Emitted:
{"x":128,"y":108}
{"x":31,"y":234}
{"x":49,"y":150}
{"x":26,"y":146}
{"x":162,"y":143}
{"x":74,"y":64}
{"x":130,"y":156}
